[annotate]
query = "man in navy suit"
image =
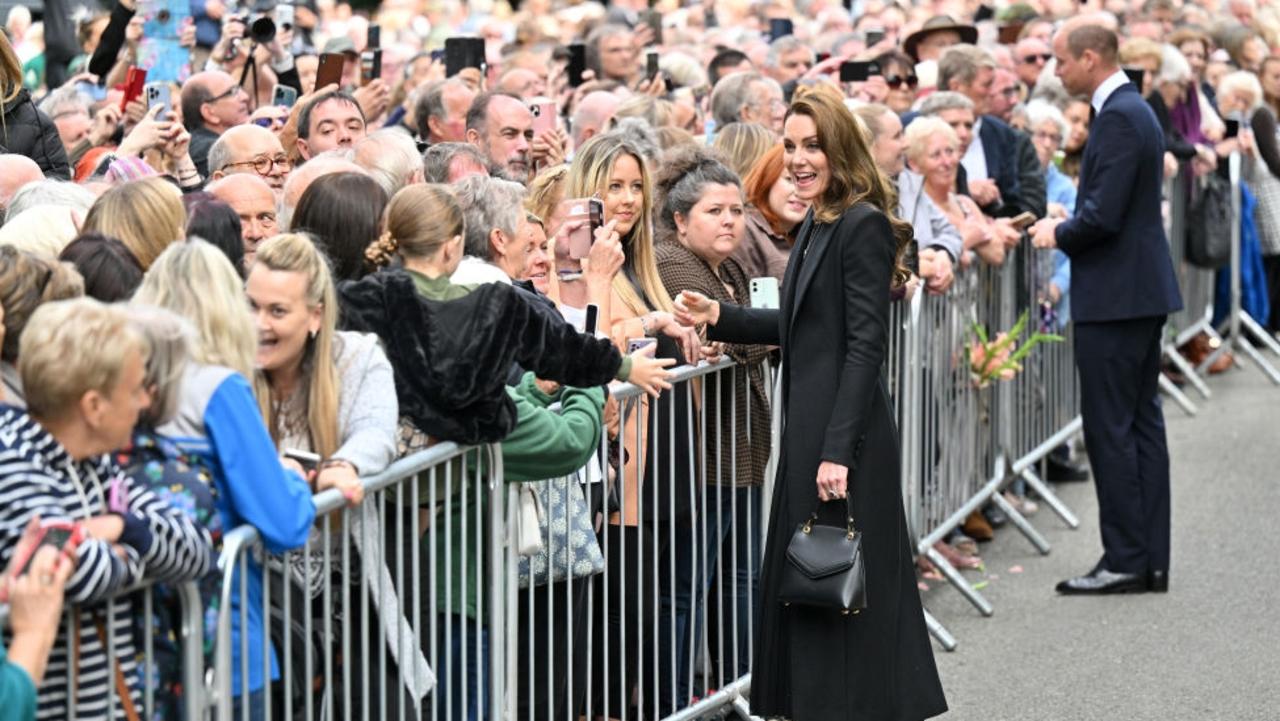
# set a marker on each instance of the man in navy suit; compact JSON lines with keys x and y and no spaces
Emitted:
{"x":1122,"y":288}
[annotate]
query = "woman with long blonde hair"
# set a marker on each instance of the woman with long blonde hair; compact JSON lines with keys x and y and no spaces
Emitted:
{"x":147,"y":215}
{"x":24,"y":130}
{"x":840,"y":455}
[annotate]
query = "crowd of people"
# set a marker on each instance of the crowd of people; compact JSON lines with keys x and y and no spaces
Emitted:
{"x":239,"y":267}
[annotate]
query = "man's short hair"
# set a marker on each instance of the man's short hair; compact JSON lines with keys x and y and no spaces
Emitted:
{"x":1096,"y":38}
{"x":478,"y":113}
{"x":962,"y":62}
{"x":607,"y":30}
{"x":439,"y":157}
{"x":430,"y":104}
{"x":194,"y":97}
{"x":71,"y":347}
{"x":65,"y":99}
{"x":782,"y":46}
{"x":390,"y":156}
{"x":945,"y":100}
{"x":727,"y":58}
{"x":732,"y":94}
{"x":304,"y":117}
{"x":488,"y":203}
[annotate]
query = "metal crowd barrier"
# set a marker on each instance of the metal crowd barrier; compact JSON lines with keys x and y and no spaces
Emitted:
{"x":122,"y":615}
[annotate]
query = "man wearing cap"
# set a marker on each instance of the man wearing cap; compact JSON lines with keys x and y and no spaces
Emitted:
{"x":938,"y":33}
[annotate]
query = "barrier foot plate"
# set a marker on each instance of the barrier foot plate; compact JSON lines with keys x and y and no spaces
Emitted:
{"x":939,"y":632}
{"x":1173,"y":391}
{"x":1188,"y":372}
{"x":958,"y":581}
{"x":1051,"y":498}
{"x":1020,"y":521}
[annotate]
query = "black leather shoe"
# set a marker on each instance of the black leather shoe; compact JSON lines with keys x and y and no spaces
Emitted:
{"x":1060,"y":471}
{"x":995,"y":516}
{"x":1100,"y":581}
{"x":1158,"y":581}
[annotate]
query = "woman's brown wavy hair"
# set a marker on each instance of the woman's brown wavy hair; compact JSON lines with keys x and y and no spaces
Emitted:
{"x":855,"y":177}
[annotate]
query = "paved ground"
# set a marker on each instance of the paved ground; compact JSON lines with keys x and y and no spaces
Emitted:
{"x":1208,"y":650}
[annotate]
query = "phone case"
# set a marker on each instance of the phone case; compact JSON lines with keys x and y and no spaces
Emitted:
{"x":764,"y":293}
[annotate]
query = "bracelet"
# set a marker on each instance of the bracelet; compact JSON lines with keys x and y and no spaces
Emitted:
{"x":644,"y":325}
{"x":333,"y":462}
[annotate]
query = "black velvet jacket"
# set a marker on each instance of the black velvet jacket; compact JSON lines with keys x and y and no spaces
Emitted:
{"x":451,"y":358}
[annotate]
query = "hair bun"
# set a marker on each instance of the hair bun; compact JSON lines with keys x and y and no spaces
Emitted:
{"x":382,"y":251}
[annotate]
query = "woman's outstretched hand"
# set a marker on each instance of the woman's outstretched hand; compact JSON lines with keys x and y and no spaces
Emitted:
{"x":694,"y":308}
{"x":833,"y":481}
{"x":650,"y":374}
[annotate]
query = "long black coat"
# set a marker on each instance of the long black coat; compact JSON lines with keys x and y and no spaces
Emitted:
{"x":27,"y":131}
{"x":811,"y":664}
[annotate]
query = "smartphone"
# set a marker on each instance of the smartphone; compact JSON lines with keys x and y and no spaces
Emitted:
{"x":578,"y":210}
{"x":1233,"y":128}
{"x":821,"y":58}
{"x":1022,"y":221}
{"x":635,"y":344}
{"x":874,"y":37}
{"x":577,"y":63}
{"x":1136,"y":76}
{"x":856,"y":71}
{"x":329,"y":72}
{"x":284,"y":96}
{"x":653,"y":19}
{"x":57,"y":534}
{"x":370,"y":66}
{"x":308,"y":461}
{"x":593,"y":319}
{"x":764,"y":293}
{"x":373,"y":39}
{"x":544,"y":115}
{"x":984,"y":12}
{"x":159,"y":94}
{"x":463,"y":53}
{"x":134,"y":82}
{"x":284,"y":16}
{"x":780,"y":28}
{"x":651,"y":69}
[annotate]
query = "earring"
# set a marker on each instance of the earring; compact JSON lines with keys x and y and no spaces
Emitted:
{"x":313,"y":334}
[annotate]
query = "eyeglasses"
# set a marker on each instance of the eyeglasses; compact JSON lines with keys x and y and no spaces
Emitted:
{"x":897,"y":81}
{"x":263,"y":165}
{"x":1037,"y":58}
{"x":1055,"y":138}
{"x":231,"y":91}
{"x":267,"y":122}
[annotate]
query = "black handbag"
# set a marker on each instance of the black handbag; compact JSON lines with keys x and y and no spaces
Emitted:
{"x":825,"y":567}
{"x":1209,"y":221}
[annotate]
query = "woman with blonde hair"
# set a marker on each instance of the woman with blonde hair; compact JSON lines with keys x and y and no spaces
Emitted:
{"x":27,"y":282}
{"x":743,"y":144}
{"x":840,"y":456}
{"x":219,"y":423}
{"x":147,"y":215}
{"x":24,"y":129}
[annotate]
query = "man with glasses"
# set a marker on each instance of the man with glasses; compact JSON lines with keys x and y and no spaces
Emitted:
{"x":255,"y":203}
{"x":1031,"y":55}
{"x":250,"y":149}
{"x":212,"y":103}
{"x":748,"y":98}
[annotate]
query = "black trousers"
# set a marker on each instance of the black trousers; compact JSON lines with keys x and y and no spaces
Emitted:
{"x":1119,"y":364}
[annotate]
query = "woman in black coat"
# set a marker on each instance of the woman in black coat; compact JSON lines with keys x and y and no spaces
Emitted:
{"x":24,"y":130}
{"x":815,"y":664}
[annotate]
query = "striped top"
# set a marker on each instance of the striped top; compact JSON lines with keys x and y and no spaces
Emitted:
{"x":38,"y":477}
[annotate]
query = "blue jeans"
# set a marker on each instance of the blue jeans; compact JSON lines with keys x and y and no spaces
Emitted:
{"x":452,"y":676}
{"x":257,"y":707}
{"x":732,"y":516}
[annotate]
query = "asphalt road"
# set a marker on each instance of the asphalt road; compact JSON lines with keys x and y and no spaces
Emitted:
{"x":1208,"y":650}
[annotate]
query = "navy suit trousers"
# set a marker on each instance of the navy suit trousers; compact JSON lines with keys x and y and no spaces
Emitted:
{"x":1119,"y":365}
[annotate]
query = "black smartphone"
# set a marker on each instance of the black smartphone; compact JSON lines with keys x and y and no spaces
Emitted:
{"x":373,"y":40}
{"x":874,"y":37}
{"x":463,"y":53}
{"x":1135,"y":76}
{"x":577,"y":63}
{"x":651,"y":69}
{"x":984,"y":12}
{"x":329,"y":71}
{"x":821,"y":58}
{"x":370,"y":66}
{"x":1233,"y":128}
{"x":55,"y":536}
{"x":857,"y":71}
{"x":593,"y":315}
{"x":780,"y":28}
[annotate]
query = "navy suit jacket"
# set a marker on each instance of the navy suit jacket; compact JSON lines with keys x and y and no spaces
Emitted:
{"x":1120,"y":264}
{"x":1000,"y":147}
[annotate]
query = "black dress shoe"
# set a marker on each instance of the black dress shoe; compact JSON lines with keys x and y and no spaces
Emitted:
{"x":1158,"y":581}
{"x":1060,"y":471}
{"x":1100,"y":581}
{"x":994,"y":515}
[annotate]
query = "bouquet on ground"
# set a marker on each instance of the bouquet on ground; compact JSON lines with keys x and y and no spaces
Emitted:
{"x":1000,"y":359}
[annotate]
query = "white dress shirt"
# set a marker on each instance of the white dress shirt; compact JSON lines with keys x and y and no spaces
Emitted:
{"x":975,"y":158}
{"x":1108,"y":86}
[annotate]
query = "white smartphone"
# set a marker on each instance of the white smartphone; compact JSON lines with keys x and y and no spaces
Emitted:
{"x":635,"y":344}
{"x":764,"y":293}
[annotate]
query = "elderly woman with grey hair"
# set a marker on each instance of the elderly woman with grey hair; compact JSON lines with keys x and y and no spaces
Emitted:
{"x":1169,"y":97}
{"x":492,"y":209}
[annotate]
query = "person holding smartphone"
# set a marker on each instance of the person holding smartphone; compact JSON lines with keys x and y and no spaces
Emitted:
{"x":34,"y":595}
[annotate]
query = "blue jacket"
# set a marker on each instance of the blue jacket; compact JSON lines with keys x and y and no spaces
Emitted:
{"x":218,"y":420}
{"x":1120,"y":264}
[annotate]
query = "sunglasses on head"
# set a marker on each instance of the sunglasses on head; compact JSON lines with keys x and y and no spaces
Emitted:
{"x":897,"y":81}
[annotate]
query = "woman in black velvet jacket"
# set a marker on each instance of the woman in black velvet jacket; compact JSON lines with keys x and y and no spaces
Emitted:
{"x":24,"y":130}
